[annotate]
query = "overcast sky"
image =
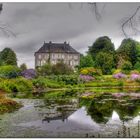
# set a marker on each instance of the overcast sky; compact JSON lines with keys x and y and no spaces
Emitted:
{"x":34,"y":23}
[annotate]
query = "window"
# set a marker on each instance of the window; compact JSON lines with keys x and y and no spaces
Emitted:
{"x":62,"y":56}
{"x":39,"y":56}
{"x":75,"y":57}
{"x":46,"y":56}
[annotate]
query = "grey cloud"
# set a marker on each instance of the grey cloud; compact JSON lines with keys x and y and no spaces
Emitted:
{"x":35,"y":23}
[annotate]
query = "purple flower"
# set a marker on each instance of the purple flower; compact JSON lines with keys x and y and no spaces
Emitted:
{"x":29,"y":73}
{"x":119,"y":75}
{"x":135,"y":77}
{"x":86,"y":78}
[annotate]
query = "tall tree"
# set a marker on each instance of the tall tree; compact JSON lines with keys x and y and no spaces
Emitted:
{"x":8,"y":57}
{"x":23,"y":66}
{"x":128,"y":51}
{"x":102,"y":44}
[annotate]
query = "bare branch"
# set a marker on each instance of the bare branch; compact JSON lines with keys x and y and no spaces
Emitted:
{"x":3,"y":27}
{"x":95,"y":9}
{"x":130,"y":21}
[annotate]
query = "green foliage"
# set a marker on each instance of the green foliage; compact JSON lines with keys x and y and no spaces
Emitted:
{"x":65,"y":79}
{"x":86,"y":61}
{"x":43,"y":83}
{"x":57,"y":69}
{"x":23,"y":67}
{"x":8,"y":57}
{"x":102,"y":44}
{"x":61,"y":68}
{"x":137,"y":66}
{"x":127,"y":67}
{"x":91,"y":71}
{"x":18,"y":84}
{"x":129,"y":50}
{"x":134,"y":72}
{"x":105,"y":62}
{"x":117,"y":71}
{"x":63,"y":95}
{"x":44,"y":70}
{"x":9,"y":71}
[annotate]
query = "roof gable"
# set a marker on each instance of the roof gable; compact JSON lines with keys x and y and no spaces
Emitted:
{"x":56,"y":48}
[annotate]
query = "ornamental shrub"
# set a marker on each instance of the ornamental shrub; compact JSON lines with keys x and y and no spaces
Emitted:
{"x":119,"y":75}
{"x":91,"y":71}
{"x":28,"y":73}
{"x":86,"y":78}
{"x":135,"y":76}
{"x":117,"y":71}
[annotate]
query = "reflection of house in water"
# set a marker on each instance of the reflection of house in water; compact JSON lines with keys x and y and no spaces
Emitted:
{"x":52,"y":111}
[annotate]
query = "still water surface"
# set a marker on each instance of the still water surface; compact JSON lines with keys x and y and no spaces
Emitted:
{"x":45,"y":118}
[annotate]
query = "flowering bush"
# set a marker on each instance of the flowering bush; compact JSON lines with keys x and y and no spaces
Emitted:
{"x":90,"y":71}
{"x":117,"y":71}
{"x":119,"y":75}
{"x":135,"y":76}
{"x":29,"y":73}
{"x":86,"y":78}
{"x":84,"y":71}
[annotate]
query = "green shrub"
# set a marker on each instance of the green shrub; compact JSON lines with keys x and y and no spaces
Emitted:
{"x":137,"y":66}
{"x":134,"y":72}
{"x":9,"y":71}
{"x":43,"y":82}
{"x":126,"y":67}
{"x":57,"y":69}
{"x":18,"y":85}
{"x":66,"y":79}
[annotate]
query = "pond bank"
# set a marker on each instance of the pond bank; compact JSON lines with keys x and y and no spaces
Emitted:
{"x":8,"y":105}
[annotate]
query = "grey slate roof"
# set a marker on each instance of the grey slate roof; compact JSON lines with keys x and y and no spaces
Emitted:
{"x":56,"y":48}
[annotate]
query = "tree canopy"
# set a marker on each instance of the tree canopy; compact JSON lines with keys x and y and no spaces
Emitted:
{"x":129,"y":50}
{"x":102,"y":44}
{"x":86,"y":61}
{"x":8,"y":57}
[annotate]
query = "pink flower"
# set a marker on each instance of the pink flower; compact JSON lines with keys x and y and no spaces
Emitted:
{"x":119,"y":75}
{"x":86,"y":78}
{"x":135,"y":76}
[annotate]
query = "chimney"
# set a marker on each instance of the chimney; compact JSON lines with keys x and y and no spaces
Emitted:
{"x":50,"y":42}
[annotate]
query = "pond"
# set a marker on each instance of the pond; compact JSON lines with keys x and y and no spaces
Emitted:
{"x":105,"y":115}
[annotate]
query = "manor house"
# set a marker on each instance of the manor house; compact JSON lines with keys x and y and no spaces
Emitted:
{"x":56,"y":52}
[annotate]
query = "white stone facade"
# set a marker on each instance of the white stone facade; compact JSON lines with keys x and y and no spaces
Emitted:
{"x":69,"y":59}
